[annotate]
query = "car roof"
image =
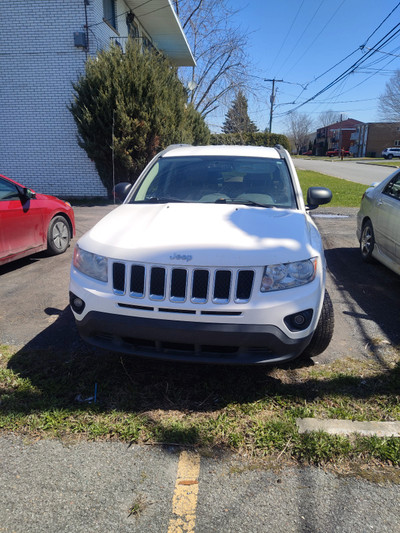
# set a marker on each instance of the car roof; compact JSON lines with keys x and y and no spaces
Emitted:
{"x":222,"y":150}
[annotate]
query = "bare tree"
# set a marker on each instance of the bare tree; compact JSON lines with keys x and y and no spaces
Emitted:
{"x":389,"y":101}
{"x":327,"y":118}
{"x":300,"y":128}
{"x":219,"y":50}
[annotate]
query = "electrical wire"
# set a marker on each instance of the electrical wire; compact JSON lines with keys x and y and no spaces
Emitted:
{"x":287,"y":35}
{"x":122,"y":14}
{"x":377,"y":28}
{"x":301,"y":36}
{"x":319,"y":34}
{"x":349,"y":55}
{"x":353,"y":67}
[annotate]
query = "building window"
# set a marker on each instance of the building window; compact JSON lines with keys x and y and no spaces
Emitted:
{"x":133,"y":30}
{"x":396,"y":143}
{"x":147,"y":44}
{"x":109,"y":13}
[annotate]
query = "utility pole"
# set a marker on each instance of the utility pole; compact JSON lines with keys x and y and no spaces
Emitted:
{"x":272,"y":100}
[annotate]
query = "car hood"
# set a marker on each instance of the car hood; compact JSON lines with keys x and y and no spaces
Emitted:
{"x":203,"y":235}
{"x":40,"y":196}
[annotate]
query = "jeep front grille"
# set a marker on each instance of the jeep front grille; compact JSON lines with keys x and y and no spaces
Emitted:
{"x":179,"y":284}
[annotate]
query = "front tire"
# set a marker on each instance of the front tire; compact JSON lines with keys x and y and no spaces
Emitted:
{"x":58,"y":236}
{"x":324,"y":330}
{"x":367,"y":241}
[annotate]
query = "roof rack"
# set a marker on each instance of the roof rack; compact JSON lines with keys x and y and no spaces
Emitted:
{"x":172,"y":146}
{"x":281,"y":151}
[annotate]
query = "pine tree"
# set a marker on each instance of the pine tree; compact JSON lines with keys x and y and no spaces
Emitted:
{"x":237,"y":119}
{"x":134,"y":105}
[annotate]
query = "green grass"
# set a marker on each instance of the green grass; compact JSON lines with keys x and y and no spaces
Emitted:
{"x":344,"y":193}
{"x":251,"y":410}
{"x":385,"y":163}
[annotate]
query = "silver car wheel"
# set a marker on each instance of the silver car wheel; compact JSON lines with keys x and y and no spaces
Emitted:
{"x":58,"y":235}
{"x":367,"y":241}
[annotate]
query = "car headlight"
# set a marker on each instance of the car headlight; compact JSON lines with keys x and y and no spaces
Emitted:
{"x":93,"y":265}
{"x":288,"y":275}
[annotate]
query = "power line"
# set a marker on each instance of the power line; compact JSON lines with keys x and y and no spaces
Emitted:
{"x":322,"y":30}
{"x":353,"y":67}
{"x":287,"y":35}
{"x":377,"y":28}
{"x":301,"y":36}
{"x":382,"y":52}
{"x":352,"y":53}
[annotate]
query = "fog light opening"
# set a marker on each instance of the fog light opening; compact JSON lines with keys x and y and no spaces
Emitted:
{"x":299,"y":321}
{"x":77,"y":304}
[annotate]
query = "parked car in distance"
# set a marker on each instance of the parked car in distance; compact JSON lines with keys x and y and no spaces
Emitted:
{"x":389,"y":153}
{"x":213,"y":257}
{"x":31,"y":223}
{"x":309,"y":152}
{"x":378,"y":223}
{"x":332,"y":153}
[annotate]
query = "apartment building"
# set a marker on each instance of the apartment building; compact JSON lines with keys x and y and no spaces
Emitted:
{"x":44,"y":46}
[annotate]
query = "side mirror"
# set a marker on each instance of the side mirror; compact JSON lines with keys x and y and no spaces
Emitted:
{"x":28,"y":193}
{"x":121,"y":190}
{"x":318,"y":196}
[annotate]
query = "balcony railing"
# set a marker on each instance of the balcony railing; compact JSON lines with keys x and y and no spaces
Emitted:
{"x":122,"y":41}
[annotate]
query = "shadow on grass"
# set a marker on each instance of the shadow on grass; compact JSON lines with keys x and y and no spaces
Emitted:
{"x":57,"y":370}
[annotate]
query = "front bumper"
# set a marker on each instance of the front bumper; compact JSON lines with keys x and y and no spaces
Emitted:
{"x":190,"y":341}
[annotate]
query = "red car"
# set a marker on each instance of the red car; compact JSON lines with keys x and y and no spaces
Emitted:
{"x":331,"y":153}
{"x":30,"y":222}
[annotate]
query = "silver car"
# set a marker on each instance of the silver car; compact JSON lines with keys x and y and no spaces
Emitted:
{"x":378,"y":223}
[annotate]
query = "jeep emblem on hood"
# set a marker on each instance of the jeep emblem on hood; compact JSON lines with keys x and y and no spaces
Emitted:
{"x":180,"y":257}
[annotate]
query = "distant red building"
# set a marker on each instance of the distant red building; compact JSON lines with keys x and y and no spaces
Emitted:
{"x":336,"y":136}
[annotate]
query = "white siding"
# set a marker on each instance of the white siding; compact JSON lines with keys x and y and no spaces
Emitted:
{"x":38,"y":63}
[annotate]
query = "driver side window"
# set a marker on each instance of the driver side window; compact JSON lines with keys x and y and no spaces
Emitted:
{"x":8,"y":191}
{"x":393,"y":187}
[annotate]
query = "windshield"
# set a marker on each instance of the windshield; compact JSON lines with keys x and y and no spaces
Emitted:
{"x":226,"y":179}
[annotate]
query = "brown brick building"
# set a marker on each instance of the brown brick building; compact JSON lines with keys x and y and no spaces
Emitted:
{"x":370,"y":139}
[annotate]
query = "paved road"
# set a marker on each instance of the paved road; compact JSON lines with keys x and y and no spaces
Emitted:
{"x":90,"y":487}
{"x":349,"y":170}
{"x":50,"y":486}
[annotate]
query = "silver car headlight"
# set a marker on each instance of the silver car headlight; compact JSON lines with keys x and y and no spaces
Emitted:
{"x":93,"y":265}
{"x":288,"y":275}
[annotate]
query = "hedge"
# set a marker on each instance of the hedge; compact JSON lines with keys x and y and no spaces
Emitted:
{"x":253,"y":139}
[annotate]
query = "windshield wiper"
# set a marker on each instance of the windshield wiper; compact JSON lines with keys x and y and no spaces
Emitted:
{"x":162,"y":200}
{"x":251,"y":202}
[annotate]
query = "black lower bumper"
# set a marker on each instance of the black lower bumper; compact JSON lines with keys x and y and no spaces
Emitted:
{"x":190,"y":341}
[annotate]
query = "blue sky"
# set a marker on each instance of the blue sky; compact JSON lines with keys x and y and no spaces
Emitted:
{"x":298,"y":41}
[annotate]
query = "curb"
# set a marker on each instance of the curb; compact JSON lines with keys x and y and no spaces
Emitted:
{"x":348,"y":427}
{"x":376,"y":164}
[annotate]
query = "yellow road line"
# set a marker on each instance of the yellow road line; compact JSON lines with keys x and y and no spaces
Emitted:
{"x":185,"y":496}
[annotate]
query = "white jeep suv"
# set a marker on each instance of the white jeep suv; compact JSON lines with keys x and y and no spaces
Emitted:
{"x":212,"y":257}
